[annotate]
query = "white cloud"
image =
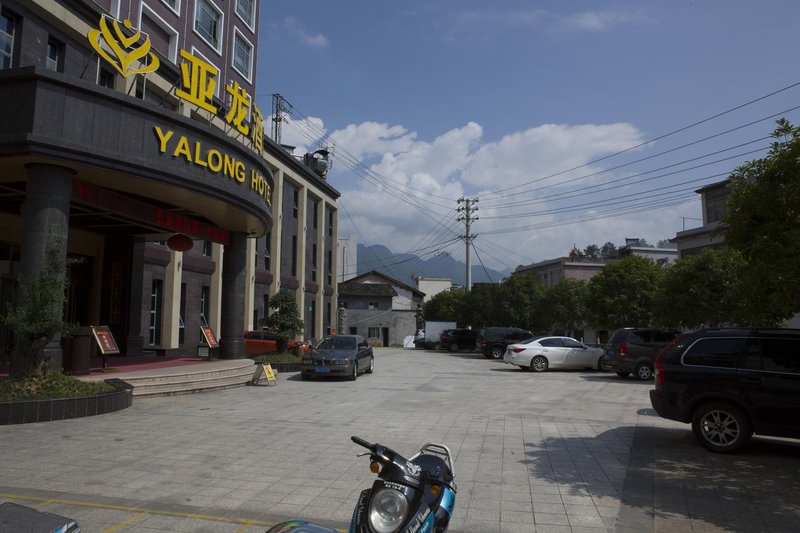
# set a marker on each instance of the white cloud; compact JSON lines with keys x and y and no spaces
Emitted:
{"x":408,"y":198}
{"x":492,"y":21}
{"x":601,"y":20}
{"x":313,"y":40}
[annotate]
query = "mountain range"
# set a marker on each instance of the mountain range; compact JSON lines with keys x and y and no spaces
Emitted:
{"x":404,"y":267}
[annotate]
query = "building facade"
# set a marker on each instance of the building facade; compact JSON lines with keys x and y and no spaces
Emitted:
{"x":380,"y":308}
{"x":133,"y":146}
{"x":713,"y":199}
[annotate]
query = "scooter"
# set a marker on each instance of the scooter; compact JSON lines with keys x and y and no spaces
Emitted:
{"x":414,"y":495}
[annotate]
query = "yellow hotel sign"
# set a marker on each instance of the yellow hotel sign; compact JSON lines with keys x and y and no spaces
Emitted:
{"x":124,"y":51}
{"x":198,"y":83}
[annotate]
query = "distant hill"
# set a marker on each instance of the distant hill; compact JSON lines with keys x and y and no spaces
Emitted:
{"x":403,"y":266}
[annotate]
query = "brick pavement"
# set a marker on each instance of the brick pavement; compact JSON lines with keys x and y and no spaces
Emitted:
{"x":553,"y":452}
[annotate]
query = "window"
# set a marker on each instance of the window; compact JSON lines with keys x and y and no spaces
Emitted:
{"x":105,"y":78}
{"x":714,"y":352}
{"x":374,"y":333}
{"x":7,"y":23}
{"x":55,"y":53}
{"x":173,"y":4}
{"x":294,"y":255}
{"x":246,"y":11}
{"x":372,"y":305}
{"x":316,"y":214}
{"x":551,"y":343}
{"x":569,"y":343}
{"x":329,"y":267}
{"x":296,"y":203}
{"x":715,"y":200}
{"x":208,"y":23}
{"x":330,"y":223}
{"x":314,"y":263}
{"x":242,"y":55}
{"x":781,"y":355}
{"x":266,"y":306}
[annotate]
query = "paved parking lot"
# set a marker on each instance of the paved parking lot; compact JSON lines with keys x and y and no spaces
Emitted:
{"x":560,"y":451}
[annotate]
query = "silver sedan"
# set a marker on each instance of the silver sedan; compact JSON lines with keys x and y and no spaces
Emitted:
{"x":541,"y":353}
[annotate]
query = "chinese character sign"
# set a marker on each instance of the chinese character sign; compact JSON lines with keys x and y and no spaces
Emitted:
{"x":198,"y":79}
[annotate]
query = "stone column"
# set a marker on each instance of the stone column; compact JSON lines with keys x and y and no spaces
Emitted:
{"x":45,"y":222}
{"x":234,"y":277}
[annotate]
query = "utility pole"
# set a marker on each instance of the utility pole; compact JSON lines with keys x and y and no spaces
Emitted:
{"x":277,"y":116}
{"x":467,"y":209}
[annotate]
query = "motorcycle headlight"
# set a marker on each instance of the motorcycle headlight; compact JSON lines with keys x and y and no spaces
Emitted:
{"x":387,"y":511}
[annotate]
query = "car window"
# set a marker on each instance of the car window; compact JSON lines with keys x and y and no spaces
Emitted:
{"x":617,"y":336}
{"x":780,"y":355}
{"x":637,"y":337}
{"x":664,"y":337}
{"x":571,"y":343}
{"x":718,"y":352}
{"x":551,"y":342}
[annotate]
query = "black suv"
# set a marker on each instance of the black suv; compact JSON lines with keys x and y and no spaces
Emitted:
{"x":633,"y":350}
{"x":458,"y":339}
{"x":492,"y":342}
{"x":731,"y":383}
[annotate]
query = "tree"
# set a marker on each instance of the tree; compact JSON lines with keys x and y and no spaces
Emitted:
{"x":480,"y":306}
{"x":624,"y":293}
{"x":285,"y":320}
{"x":37,"y":316}
{"x":565,"y":306}
{"x":609,"y":251}
{"x":703,"y":290}
{"x":520,"y":303}
{"x":444,"y":306}
{"x":763,"y":223}
{"x":592,"y":251}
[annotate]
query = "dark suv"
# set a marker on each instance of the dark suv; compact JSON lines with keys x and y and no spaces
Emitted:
{"x":492,"y":342}
{"x":731,"y":383}
{"x":458,"y":339}
{"x":633,"y":350}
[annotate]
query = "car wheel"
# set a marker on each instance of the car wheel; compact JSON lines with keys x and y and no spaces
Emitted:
{"x":539,"y":364}
{"x":497,"y":352}
{"x":721,"y":427}
{"x":354,"y":375}
{"x":623,"y":374}
{"x":453,"y":347}
{"x":371,"y":365}
{"x":600,"y":363}
{"x":644,"y":372}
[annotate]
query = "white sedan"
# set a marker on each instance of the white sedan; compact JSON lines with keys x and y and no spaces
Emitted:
{"x":541,"y":353}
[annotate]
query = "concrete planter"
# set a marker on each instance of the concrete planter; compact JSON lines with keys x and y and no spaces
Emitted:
{"x":29,"y":411}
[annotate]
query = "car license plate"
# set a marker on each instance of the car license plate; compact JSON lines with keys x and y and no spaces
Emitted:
{"x":323,"y":369}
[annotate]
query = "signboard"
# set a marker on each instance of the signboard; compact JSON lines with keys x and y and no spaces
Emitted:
{"x":209,"y":336}
{"x":266,"y":371}
{"x":105,"y":340}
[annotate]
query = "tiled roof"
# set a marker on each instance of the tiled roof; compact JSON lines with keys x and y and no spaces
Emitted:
{"x":348,"y":288}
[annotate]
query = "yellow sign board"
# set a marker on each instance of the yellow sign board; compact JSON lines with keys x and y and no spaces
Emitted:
{"x":264,"y":371}
{"x":121,"y":51}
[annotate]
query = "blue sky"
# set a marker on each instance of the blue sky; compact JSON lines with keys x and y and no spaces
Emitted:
{"x":427,"y":101}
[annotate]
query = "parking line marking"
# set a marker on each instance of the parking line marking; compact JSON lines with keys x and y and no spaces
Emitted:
{"x":124,"y":523}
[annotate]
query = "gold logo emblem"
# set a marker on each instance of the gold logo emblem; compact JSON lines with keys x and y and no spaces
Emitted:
{"x":124,"y":51}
